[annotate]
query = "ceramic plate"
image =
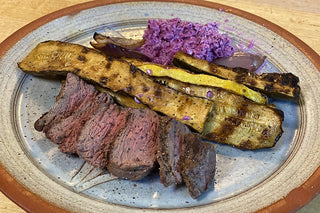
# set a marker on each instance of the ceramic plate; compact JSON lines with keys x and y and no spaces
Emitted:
{"x":39,"y":177}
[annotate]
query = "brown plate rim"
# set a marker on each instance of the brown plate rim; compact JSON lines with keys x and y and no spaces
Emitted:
{"x":31,"y":202}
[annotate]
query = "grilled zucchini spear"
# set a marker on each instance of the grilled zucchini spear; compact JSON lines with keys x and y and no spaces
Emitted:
{"x":274,"y":84}
{"x":58,"y":58}
{"x":234,"y":120}
{"x":225,"y":118}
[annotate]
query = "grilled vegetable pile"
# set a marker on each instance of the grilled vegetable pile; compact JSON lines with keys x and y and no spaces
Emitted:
{"x":223,"y":111}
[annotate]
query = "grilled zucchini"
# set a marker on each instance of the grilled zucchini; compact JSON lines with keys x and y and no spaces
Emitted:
{"x":58,"y":58}
{"x":284,"y":85}
{"x":235,"y":120}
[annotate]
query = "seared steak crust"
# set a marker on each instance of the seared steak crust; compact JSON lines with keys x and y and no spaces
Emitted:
{"x":198,"y":163}
{"x":168,"y":156}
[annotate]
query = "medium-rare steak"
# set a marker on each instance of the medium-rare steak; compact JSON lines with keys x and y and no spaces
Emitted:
{"x":66,"y":132}
{"x":98,"y":134}
{"x":197,"y":165}
{"x":73,"y":93}
{"x":168,"y":156}
{"x":133,"y":155}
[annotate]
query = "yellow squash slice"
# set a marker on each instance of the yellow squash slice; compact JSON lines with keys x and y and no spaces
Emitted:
{"x":179,"y":74}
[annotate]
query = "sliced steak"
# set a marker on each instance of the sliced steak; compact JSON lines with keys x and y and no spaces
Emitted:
{"x":72,"y":94}
{"x":133,"y":155}
{"x":197,"y":165}
{"x":127,"y":141}
{"x":168,"y":156}
{"x":65,"y":133}
{"x":98,"y":134}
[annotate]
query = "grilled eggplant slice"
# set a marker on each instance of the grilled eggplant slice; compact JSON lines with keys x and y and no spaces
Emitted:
{"x":283,"y":85}
{"x":235,"y":120}
{"x":59,"y":58}
{"x":198,"y":79}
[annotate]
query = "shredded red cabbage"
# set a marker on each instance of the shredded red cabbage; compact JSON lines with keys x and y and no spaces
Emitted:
{"x":164,"y":38}
{"x":186,"y":118}
{"x":209,"y":94}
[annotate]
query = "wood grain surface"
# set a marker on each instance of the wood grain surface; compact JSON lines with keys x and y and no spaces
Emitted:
{"x":301,"y":18}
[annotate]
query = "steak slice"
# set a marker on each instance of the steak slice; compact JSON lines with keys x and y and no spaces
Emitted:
{"x":168,"y":156}
{"x":99,"y":132}
{"x":73,"y":93}
{"x":198,"y":163}
{"x":65,"y":133}
{"x":133,"y":155}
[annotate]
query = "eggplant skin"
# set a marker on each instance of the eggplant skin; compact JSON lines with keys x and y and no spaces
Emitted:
{"x":281,"y":85}
{"x":54,"y":58}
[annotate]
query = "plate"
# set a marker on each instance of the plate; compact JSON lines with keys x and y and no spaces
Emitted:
{"x":40,"y":178}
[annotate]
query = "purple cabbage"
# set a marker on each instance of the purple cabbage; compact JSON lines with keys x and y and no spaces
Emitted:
{"x":164,"y":38}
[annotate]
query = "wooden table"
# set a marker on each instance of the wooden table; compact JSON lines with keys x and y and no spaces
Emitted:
{"x":301,"y":18}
